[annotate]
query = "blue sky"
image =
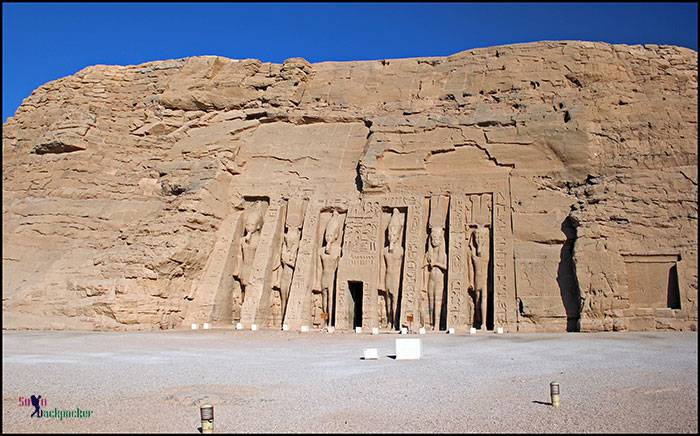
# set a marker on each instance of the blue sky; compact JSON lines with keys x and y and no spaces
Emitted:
{"x":43,"y":42}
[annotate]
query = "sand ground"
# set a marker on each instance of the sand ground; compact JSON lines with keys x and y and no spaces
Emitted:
{"x":316,"y":382}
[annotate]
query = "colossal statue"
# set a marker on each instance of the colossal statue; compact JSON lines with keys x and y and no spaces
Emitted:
{"x":289,"y":256}
{"x":329,"y":264}
{"x":434,"y":274}
{"x":253,"y":221}
{"x":479,"y":255}
{"x":391,"y":267}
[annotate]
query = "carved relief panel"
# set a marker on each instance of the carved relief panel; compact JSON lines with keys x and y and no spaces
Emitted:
{"x":481,"y":292}
{"x":284,"y":260}
{"x":358,"y":270}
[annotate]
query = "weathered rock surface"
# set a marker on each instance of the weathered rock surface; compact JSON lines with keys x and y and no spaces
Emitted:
{"x":124,"y":188}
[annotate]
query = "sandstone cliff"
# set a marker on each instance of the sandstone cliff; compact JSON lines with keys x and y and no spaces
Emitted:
{"x":121,"y":185}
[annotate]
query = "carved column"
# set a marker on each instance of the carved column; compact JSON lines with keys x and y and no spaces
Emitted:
{"x":504,"y":297}
{"x":257,"y":298}
{"x":413,"y":261}
{"x":459,"y":307}
{"x":299,"y":305}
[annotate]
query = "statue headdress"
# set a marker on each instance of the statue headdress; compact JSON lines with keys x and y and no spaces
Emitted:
{"x":396,"y":220}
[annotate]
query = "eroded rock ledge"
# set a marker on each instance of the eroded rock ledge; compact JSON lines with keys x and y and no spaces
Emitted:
{"x":559,"y":179}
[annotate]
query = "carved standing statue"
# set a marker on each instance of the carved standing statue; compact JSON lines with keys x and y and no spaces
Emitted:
{"x":329,"y":264}
{"x":391,"y":267}
{"x":434,"y":274}
{"x":253,"y":222}
{"x":290,"y":248}
{"x":479,"y":254}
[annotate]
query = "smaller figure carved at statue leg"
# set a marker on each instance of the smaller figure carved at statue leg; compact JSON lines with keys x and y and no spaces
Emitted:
{"x":431,"y":305}
{"x":324,"y":308}
{"x":283,"y":304}
{"x":390,"y":316}
{"x":285,"y":288}
{"x":479,"y":309}
{"x":382,"y":310}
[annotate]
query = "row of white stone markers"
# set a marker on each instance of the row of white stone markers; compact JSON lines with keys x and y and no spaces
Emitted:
{"x":375,"y":330}
{"x":406,"y":349}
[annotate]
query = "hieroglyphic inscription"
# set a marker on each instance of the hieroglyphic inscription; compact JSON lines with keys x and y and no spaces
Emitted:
{"x":500,"y":234}
{"x":458,"y":303}
{"x":359,"y":262}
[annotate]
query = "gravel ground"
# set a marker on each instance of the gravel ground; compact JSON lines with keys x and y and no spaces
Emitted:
{"x":317,"y":382}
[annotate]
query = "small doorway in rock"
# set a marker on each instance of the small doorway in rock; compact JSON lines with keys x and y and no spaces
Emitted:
{"x":356,"y":295}
{"x":673,"y":298}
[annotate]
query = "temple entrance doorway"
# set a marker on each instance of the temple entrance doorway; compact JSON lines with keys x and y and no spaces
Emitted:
{"x":356,"y":289}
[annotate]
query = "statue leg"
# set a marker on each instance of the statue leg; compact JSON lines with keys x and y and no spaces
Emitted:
{"x":284,"y":288}
{"x":324,"y":307}
{"x":283,"y":303}
{"x":390,"y":317}
{"x":438,"y":304}
{"x":484,"y":305}
{"x":431,"y":303}
{"x":394,"y":304}
{"x":385,"y":310}
{"x":480,"y":308}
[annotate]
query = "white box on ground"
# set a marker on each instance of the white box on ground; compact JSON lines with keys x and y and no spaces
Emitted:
{"x":205,"y":326}
{"x":404,"y":330}
{"x":499,"y":330}
{"x":358,"y":329}
{"x":451,"y":331}
{"x":253,"y":327}
{"x":472,"y":331}
{"x":409,"y":349}
{"x":195,"y":326}
{"x":375,"y":330}
{"x":331,"y":329}
{"x":285,"y":327}
{"x":239,"y":326}
{"x":371,"y":354}
{"x":305,"y":329}
{"x":421,"y":331}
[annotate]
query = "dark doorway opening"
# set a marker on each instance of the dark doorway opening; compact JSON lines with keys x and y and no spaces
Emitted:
{"x":356,"y":295}
{"x":673,"y":298}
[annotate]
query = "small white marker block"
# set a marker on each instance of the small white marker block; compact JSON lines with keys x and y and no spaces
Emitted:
{"x":421,"y":331}
{"x":285,"y":327}
{"x":371,"y":354}
{"x":472,"y":331}
{"x":254,"y":327}
{"x":375,"y":330}
{"x":358,"y":329}
{"x":305,"y":329}
{"x":239,"y":326}
{"x":451,"y":331}
{"x":331,"y":329}
{"x":404,"y":331}
{"x":499,"y":330}
{"x":195,"y":326}
{"x":409,"y":349}
{"x":205,"y":326}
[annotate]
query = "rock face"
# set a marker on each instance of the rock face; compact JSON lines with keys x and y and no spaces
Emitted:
{"x":539,"y":187}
